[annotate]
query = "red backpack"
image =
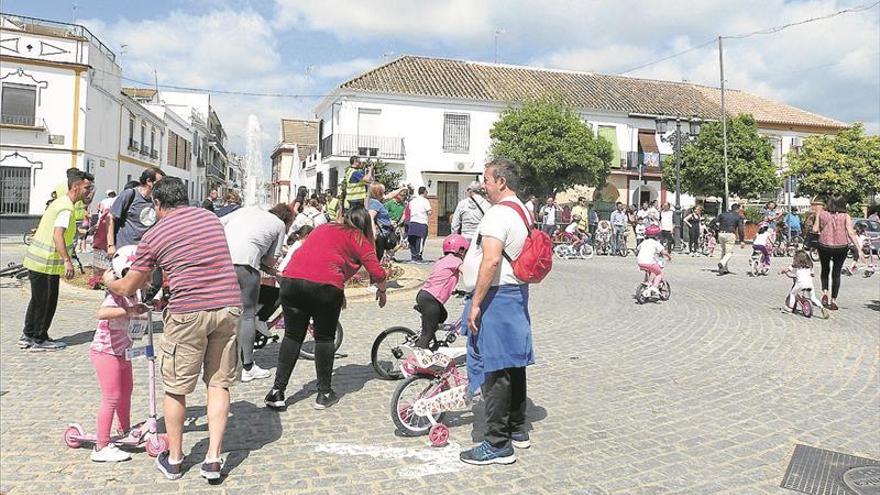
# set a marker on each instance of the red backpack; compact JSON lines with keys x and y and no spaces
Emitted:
{"x":536,"y":258}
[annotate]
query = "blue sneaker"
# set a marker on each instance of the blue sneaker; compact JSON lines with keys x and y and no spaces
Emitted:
{"x":485,"y":453}
{"x":520,"y":440}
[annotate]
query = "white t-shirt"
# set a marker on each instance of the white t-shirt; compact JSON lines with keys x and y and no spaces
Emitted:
{"x":502,"y":223}
{"x":653,"y":214}
{"x":63,"y":219}
{"x":286,"y":260}
{"x":804,"y":278}
{"x":761,"y":239}
{"x":531,"y":207}
{"x":666,"y":220}
{"x":649,"y":252}
{"x":550,"y":215}
{"x":252,"y":233}
{"x":572,"y":228}
{"x":419,"y":210}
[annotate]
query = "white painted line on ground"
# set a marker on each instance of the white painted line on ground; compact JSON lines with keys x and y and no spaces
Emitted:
{"x":433,"y":460}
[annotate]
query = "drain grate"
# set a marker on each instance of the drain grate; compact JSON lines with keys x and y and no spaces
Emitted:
{"x":824,"y":472}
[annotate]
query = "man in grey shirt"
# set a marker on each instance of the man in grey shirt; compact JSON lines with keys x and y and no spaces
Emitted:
{"x":132,"y":213}
{"x":469,"y":211}
{"x":255,"y":238}
{"x":618,"y":223}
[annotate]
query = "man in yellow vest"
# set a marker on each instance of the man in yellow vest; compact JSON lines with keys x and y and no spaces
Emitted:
{"x":581,"y":211}
{"x":356,"y":181}
{"x":48,"y":257}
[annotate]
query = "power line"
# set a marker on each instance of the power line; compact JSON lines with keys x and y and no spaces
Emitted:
{"x":777,"y":29}
{"x":222,"y":91}
{"x":770,"y":30}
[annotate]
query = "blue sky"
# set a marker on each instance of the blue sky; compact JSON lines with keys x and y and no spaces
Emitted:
{"x":831,"y":67}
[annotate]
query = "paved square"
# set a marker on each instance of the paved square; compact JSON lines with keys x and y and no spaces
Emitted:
{"x":706,"y":393}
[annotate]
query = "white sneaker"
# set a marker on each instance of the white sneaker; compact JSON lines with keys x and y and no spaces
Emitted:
{"x":255,"y":373}
{"x":110,"y":453}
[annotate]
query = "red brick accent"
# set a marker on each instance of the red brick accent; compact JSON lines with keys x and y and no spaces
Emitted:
{"x":432,"y":221}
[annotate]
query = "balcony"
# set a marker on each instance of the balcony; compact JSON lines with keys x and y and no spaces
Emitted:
{"x":154,"y":154}
{"x":133,"y":146}
{"x":145,"y":150}
{"x":382,"y":147}
{"x":22,"y":120}
{"x":635,"y":159}
{"x":200,"y":162}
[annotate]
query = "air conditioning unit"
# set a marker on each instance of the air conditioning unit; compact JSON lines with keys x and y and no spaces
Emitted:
{"x":462,"y":166}
{"x":797,"y":142}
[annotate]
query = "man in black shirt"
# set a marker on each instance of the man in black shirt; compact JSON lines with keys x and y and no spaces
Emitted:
{"x":730,"y":230}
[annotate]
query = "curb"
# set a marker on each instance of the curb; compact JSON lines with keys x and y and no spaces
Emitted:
{"x":411,"y":280}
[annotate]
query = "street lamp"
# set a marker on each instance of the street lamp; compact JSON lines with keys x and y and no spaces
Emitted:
{"x":676,"y":138}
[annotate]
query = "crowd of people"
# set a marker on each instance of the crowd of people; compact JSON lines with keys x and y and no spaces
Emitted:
{"x":214,"y":260}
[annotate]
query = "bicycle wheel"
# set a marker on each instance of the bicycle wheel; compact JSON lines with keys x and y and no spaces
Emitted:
{"x":585,"y":251}
{"x":11,"y":270}
{"x":307,"y":350}
{"x":623,"y":252}
{"x":640,"y":293}
{"x":405,"y":395}
{"x":560,"y":250}
{"x":389,"y":350}
{"x":27,"y":238}
{"x":665,"y":291}
{"x":806,"y":306}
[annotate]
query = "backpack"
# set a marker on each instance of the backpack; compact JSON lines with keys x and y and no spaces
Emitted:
{"x":536,"y":258}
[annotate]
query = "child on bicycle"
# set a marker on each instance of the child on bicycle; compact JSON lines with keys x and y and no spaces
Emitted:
{"x":863,"y":247}
{"x":801,"y":270}
{"x":649,"y":253}
{"x":572,"y":233}
{"x":761,"y":244}
{"x":107,"y":353}
{"x":439,"y":286}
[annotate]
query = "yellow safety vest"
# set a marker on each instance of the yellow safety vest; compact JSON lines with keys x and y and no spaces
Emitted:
{"x":584,"y":213}
{"x":354,"y":191}
{"x":332,"y":208}
{"x":42,"y":257}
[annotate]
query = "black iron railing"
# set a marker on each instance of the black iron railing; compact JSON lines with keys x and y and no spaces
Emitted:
{"x":386,"y":147}
{"x":24,"y":120}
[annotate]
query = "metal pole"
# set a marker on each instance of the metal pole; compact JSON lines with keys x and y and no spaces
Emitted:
{"x":723,"y":124}
{"x":677,"y":226}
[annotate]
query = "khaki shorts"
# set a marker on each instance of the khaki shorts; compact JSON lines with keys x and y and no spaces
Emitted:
{"x":192,"y":340}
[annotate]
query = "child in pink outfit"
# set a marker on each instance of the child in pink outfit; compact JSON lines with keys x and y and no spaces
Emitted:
{"x":439,"y":286}
{"x":107,"y":354}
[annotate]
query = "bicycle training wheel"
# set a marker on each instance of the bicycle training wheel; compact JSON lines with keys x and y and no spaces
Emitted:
{"x":407,"y":393}
{"x":307,"y":350}
{"x":585,"y":251}
{"x":389,"y":350}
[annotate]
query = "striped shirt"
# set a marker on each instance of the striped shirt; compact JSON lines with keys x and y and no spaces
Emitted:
{"x":189,"y":245}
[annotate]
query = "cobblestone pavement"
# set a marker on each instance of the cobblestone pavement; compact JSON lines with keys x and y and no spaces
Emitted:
{"x":707,"y":393}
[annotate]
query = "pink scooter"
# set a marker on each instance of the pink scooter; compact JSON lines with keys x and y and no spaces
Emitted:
{"x":146,"y":433}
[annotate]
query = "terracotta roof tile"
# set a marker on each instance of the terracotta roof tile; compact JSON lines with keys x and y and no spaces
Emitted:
{"x":299,"y":131}
{"x":460,"y":79}
{"x":139,"y":92}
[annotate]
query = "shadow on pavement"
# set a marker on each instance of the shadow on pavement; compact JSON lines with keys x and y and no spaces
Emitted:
{"x":248,"y":428}
{"x":873,"y":305}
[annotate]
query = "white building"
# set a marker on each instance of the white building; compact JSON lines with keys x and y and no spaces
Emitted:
{"x":431,"y":118}
{"x":63,"y":106}
{"x":59,"y":87}
{"x":299,"y":140}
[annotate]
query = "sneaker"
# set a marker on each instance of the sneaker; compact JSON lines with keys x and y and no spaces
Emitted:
{"x":325,"y":400}
{"x":25,"y":342}
{"x":255,"y":373}
{"x":520,"y":440}
{"x":275,"y":399}
{"x":825,"y":300}
{"x":110,"y":453}
{"x":57,"y":343}
{"x":833,"y":306}
{"x":485,"y":453}
{"x":44,"y":345}
{"x":171,"y":471}
{"x":211,"y":470}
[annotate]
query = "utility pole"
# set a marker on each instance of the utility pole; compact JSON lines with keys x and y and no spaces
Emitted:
{"x":723,"y":123}
{"x":156,"y":81}
{"x":497,"y":32}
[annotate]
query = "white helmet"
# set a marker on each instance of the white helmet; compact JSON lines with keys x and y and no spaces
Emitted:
{"x":123,"y":259}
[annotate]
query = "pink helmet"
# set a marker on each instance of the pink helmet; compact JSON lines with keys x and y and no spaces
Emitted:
{"x":652,"y":231}
{"x":455,"y":243}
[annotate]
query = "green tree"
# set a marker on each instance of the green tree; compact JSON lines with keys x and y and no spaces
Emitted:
{"x":847,"y":164}
{"x":750,"y":168}
{"x":554,"y":148}
{"x":389,"y":178}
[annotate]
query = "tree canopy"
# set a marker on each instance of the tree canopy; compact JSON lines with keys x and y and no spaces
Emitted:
{"x":750,"y":167}
{"x":554,"y":148}
{"x":847,"y":164}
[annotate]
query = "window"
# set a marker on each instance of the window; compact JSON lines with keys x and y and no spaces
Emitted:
{"x":456,"y":132}
{"x":15,"y":189}
{"x":609,"y":132}
{"x":143,"y":137}
{"x":180,"y":160}
{"x":128,"y":179}
{"x":172,"y":148}
{"x":130,"y":131}
{"x":19,"y":104}
{"x":152,"y":139}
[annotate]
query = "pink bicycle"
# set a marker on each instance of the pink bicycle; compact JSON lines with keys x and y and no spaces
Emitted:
{"x":146,"y":433}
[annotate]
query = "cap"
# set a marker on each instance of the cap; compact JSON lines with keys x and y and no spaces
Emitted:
{"x":475,"y":186}
{"x":109,"y":192}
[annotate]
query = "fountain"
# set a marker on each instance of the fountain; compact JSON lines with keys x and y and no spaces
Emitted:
{"x":255,"y":193}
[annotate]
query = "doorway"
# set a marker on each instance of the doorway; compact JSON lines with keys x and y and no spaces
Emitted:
{"x":447,"y":200}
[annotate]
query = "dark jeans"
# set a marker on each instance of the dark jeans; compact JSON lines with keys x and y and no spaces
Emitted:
{"x":504,"y":393}
{"x":593,"y":230}
{"x":667,"y":239}
{"x":827,"y":255}
{"x":268,"y":301}
{"x":416,"y":237}
{"x":41,"y":308}
{"x":304,"y":301}
{"x":433,"y":314}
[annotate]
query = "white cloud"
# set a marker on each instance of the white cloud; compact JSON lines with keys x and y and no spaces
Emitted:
{"x":343,"y":70}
